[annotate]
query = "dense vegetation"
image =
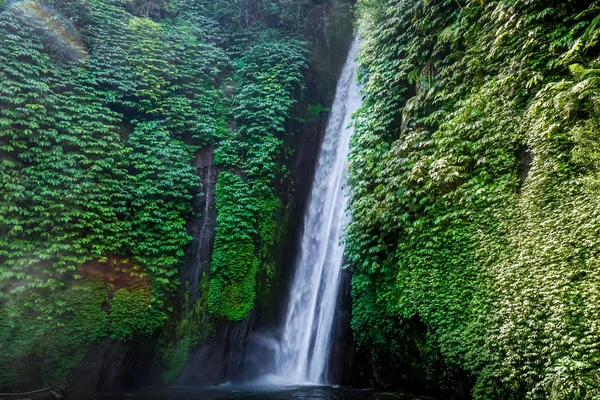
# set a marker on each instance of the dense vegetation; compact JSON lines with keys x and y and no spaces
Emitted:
{"x":269,"y":74}
{"x":474,"y":177}
{"x":103,"y":106}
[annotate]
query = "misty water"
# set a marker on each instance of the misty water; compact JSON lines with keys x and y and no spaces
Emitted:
{"x":256,"y":393}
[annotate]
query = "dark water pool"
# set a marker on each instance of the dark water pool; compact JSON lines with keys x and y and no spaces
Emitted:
{"x":255,"y":393}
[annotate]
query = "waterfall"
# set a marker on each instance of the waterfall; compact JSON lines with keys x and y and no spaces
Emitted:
{"x":305,"y":342}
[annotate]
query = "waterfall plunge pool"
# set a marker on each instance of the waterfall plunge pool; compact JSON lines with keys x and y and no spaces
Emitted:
{"x":232,"y":392}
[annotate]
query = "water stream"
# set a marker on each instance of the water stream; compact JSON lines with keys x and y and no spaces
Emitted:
{"x":305,"y":342}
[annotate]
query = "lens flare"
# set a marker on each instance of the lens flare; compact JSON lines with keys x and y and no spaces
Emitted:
{"x":56,"y":31}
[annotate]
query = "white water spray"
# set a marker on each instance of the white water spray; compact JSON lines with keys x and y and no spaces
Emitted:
{"x":305,"y":344}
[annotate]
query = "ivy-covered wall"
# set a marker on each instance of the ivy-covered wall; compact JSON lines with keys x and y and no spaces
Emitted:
{"x":474,"y":180}
{"x":103,"y":106}
{"x":268,"y":75}
{"x":95,"y":177}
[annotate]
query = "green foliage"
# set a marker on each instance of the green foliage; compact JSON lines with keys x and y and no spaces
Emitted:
{"x":131,"y":312}
{"x":176,"y":357}
{"x":269,"y":75}
{"x":313,"y":112}
{"x":452,"y":223}
{"x":233,"y":266}
{"x":30,"y":346}
{"x":96,"y":135}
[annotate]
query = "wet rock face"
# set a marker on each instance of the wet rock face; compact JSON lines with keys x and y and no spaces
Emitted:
{"x":202,"y":224}
{"x":220,"y":358}
{"x":399,"y":364}
{"x":409,"y":362}
{"x":341,"y":355}
{"x":111,"y":365}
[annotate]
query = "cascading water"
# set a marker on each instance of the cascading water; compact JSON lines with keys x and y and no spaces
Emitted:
{"x":305,"y":343}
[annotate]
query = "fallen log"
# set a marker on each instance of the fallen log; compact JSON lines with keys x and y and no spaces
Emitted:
{"x":53,"y":393}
